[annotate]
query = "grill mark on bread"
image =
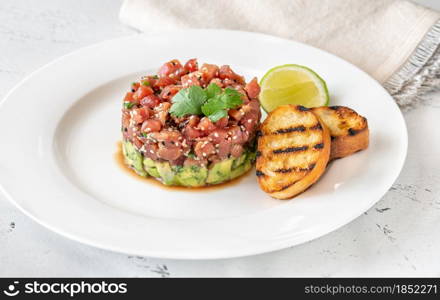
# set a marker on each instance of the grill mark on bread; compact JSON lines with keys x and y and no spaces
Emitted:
{"x":286,"y":186}
{"x":290,"y":149}
{"x":335,"y":107}
{"x":352,"y":131}
{"x":289,"y":170}
{"x":319,"y":146}
{"x":259,"y":173}
{"x":296,"y":169}
{"x":258,"y":154}
{"x":282,"y":188}
{"x":302,"y":108}
{"x":300,"y":128}
{"x":316,"y":127}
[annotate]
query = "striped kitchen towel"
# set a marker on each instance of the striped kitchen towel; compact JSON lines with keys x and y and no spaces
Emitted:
{"x":396,"y":42}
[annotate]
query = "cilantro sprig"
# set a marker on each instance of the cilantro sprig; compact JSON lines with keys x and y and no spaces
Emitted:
{"x":212,"y":102}
{"x":217,"y":107}
{"x":188,"y":101}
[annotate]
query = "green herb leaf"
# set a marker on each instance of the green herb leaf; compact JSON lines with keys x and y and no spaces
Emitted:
{"x":146,"y":83}
{"x":144,"y":134}
{"x":128,"y":105}
{"x":213,"y":105}
{"x":216,"y":107}
{"x":188,"y":101}
{"x":213,"y":90}
{"x":178,"y":169}
{"x":212,"y":102}
{"x":195,"y":168}
{"x":218,"y":115}
{"x":232,"y":98}
{"x":191,"y":155}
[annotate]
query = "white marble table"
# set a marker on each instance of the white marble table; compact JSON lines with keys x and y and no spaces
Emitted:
{"x":397,"y":237}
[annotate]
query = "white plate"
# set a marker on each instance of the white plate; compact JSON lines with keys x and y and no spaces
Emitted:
{"x":60,"y":127}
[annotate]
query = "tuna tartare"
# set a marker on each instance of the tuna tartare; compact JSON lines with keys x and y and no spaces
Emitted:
{"x":191,"y":126}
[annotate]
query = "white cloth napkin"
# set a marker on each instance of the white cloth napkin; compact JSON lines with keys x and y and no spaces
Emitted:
{"x":396,"y":42}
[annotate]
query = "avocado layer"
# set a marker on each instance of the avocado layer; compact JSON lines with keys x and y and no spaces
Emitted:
{"x":192,"y":176}
{"x":220,"y":172}
{"x":133,"y":158}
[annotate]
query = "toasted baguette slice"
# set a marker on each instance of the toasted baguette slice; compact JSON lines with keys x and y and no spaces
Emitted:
{"x":349,"y":131}
{"x":293,"y":151}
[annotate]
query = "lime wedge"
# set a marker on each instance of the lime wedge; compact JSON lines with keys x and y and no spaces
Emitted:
{"x":292,"y":84}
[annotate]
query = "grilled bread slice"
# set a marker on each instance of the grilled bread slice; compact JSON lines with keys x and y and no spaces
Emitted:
{"x":293,"y":151}
{"x":349,"y":131}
